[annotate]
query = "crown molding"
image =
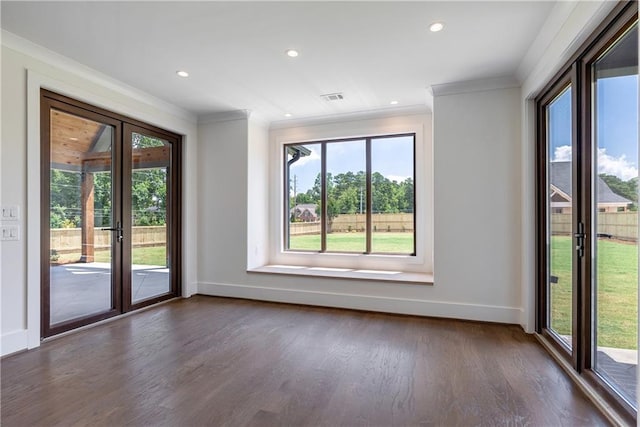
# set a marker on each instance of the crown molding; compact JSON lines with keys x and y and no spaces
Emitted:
{"x":64,"y":63}
{"x":455,"y":88}
{"x":353,"y":116}
{"x":576,"y":27}
{"x":547,"y":34}
{"x":224,"y":116}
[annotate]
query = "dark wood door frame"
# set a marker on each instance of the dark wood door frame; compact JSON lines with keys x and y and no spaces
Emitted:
{"x":173,"y":217}
{"x":578,"y":73}
{"x":121,"y":294}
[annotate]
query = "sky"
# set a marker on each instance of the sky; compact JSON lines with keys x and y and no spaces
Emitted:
{"x":616,"y":126}
{"x":392,"y":157}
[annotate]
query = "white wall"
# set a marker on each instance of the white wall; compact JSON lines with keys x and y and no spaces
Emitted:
{"x":257,"y":194}
{"x":477,"y":197}
{"x":26,"y":67}
{"x":473,"y":281}
{"x":222,"y":208}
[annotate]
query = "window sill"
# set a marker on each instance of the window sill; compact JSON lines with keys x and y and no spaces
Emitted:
{"x":346,"y":273}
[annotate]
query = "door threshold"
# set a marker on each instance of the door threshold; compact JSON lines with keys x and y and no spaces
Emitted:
{"x":109,"y":320}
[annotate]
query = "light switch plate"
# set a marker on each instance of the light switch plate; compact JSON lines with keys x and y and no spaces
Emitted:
{"x":10,"y":232}
{"x":10,"y":213}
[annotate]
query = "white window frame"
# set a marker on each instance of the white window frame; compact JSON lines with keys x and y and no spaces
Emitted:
{"x":422,"y":262}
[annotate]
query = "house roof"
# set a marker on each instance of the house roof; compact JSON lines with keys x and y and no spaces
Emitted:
{"x":560,"y":173}
{"x":311,"y":207}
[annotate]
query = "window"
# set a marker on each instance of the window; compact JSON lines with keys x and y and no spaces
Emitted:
{"x":351,"y":160}
{"x":352,"y":195}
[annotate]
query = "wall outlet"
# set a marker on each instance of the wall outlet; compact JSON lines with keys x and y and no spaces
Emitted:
{"x":10,"y":232}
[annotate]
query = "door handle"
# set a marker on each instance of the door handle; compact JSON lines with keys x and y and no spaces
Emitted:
{"x":580,"y":236}
{"x":118,"y":229}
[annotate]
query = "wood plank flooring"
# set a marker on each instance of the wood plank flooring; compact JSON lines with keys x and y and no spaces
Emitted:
{"x":226,"y":362}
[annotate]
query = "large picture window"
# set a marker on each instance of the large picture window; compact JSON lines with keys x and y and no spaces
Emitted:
{"x":352,"y":195}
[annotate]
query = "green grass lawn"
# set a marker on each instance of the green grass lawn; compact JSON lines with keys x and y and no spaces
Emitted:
{"x":154,"y":255}
{"x":617,"y":291}
{"x":382,"y":242}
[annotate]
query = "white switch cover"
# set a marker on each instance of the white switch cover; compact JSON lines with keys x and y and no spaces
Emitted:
{"x":10,"y":232}
{"x":10,"y":213}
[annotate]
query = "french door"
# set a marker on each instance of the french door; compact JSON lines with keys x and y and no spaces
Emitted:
{"x":110,"y":214}
{"x":588,"y":210}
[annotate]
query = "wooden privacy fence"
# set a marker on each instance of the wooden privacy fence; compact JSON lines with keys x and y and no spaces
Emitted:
{"x":357,"y":222}
{"x":618,"y":225}
{"x":69,"y":240}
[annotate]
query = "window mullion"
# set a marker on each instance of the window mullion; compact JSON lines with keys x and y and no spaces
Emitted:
{"x":287,"y":200}
{"x":369,"y":196}
{"x":323,"y":197}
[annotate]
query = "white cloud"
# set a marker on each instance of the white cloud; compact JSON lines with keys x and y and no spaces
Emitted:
{"x":610,"y":165}
{"x":562,"y":154}
{"x":618,"y":166}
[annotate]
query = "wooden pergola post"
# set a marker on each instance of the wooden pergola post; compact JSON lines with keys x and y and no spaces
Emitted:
{"x":87,"y":214}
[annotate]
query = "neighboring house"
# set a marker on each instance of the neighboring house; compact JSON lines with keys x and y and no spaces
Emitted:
{"x":608,"y":201}
{"x":305,"y":212}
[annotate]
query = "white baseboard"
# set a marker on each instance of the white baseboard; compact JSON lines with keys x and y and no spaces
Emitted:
{"x":511,"y":315}
{"x":13,"y":342}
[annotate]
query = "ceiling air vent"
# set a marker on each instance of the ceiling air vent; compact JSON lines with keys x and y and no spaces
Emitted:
{"x":332,"y":97}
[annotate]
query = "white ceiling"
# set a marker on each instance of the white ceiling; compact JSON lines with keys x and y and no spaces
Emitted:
{"x":373,"y":52}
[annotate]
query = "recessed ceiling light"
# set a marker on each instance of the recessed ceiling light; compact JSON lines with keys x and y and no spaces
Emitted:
{"x":292,"y":53}
{"x":182,"y":73}
{"x":287,"y":114}
{"x":436,"y":26}
{"x":393,"y":102}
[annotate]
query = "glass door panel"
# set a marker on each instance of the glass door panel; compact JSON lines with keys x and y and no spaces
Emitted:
{"x":560,"y":217}
{"x":615,"y":215}
{"x":150,"y":212}
{"x":81,"y":205}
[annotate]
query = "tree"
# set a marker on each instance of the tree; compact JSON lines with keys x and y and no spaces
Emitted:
{"x":385,"y":196}
{"x":406,"y":196}
{"x":304,"y":198}
{"x":346,"y":194}
{"x":148,"y":193}
{"x":65,"y":199}
{"x":102,"y":198}
{"x":627,"y":189}
{"x":148,"y":196}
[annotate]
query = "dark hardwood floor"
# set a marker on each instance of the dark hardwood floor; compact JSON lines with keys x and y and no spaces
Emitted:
{"x":216,"y":361}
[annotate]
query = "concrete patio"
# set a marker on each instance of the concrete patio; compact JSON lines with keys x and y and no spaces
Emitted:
{"x":82,"y":289}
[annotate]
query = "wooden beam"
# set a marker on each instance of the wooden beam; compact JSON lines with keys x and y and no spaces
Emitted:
{"x":142,"y":158}
{"x":87,"y":213}
{"x":62,"y":154}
